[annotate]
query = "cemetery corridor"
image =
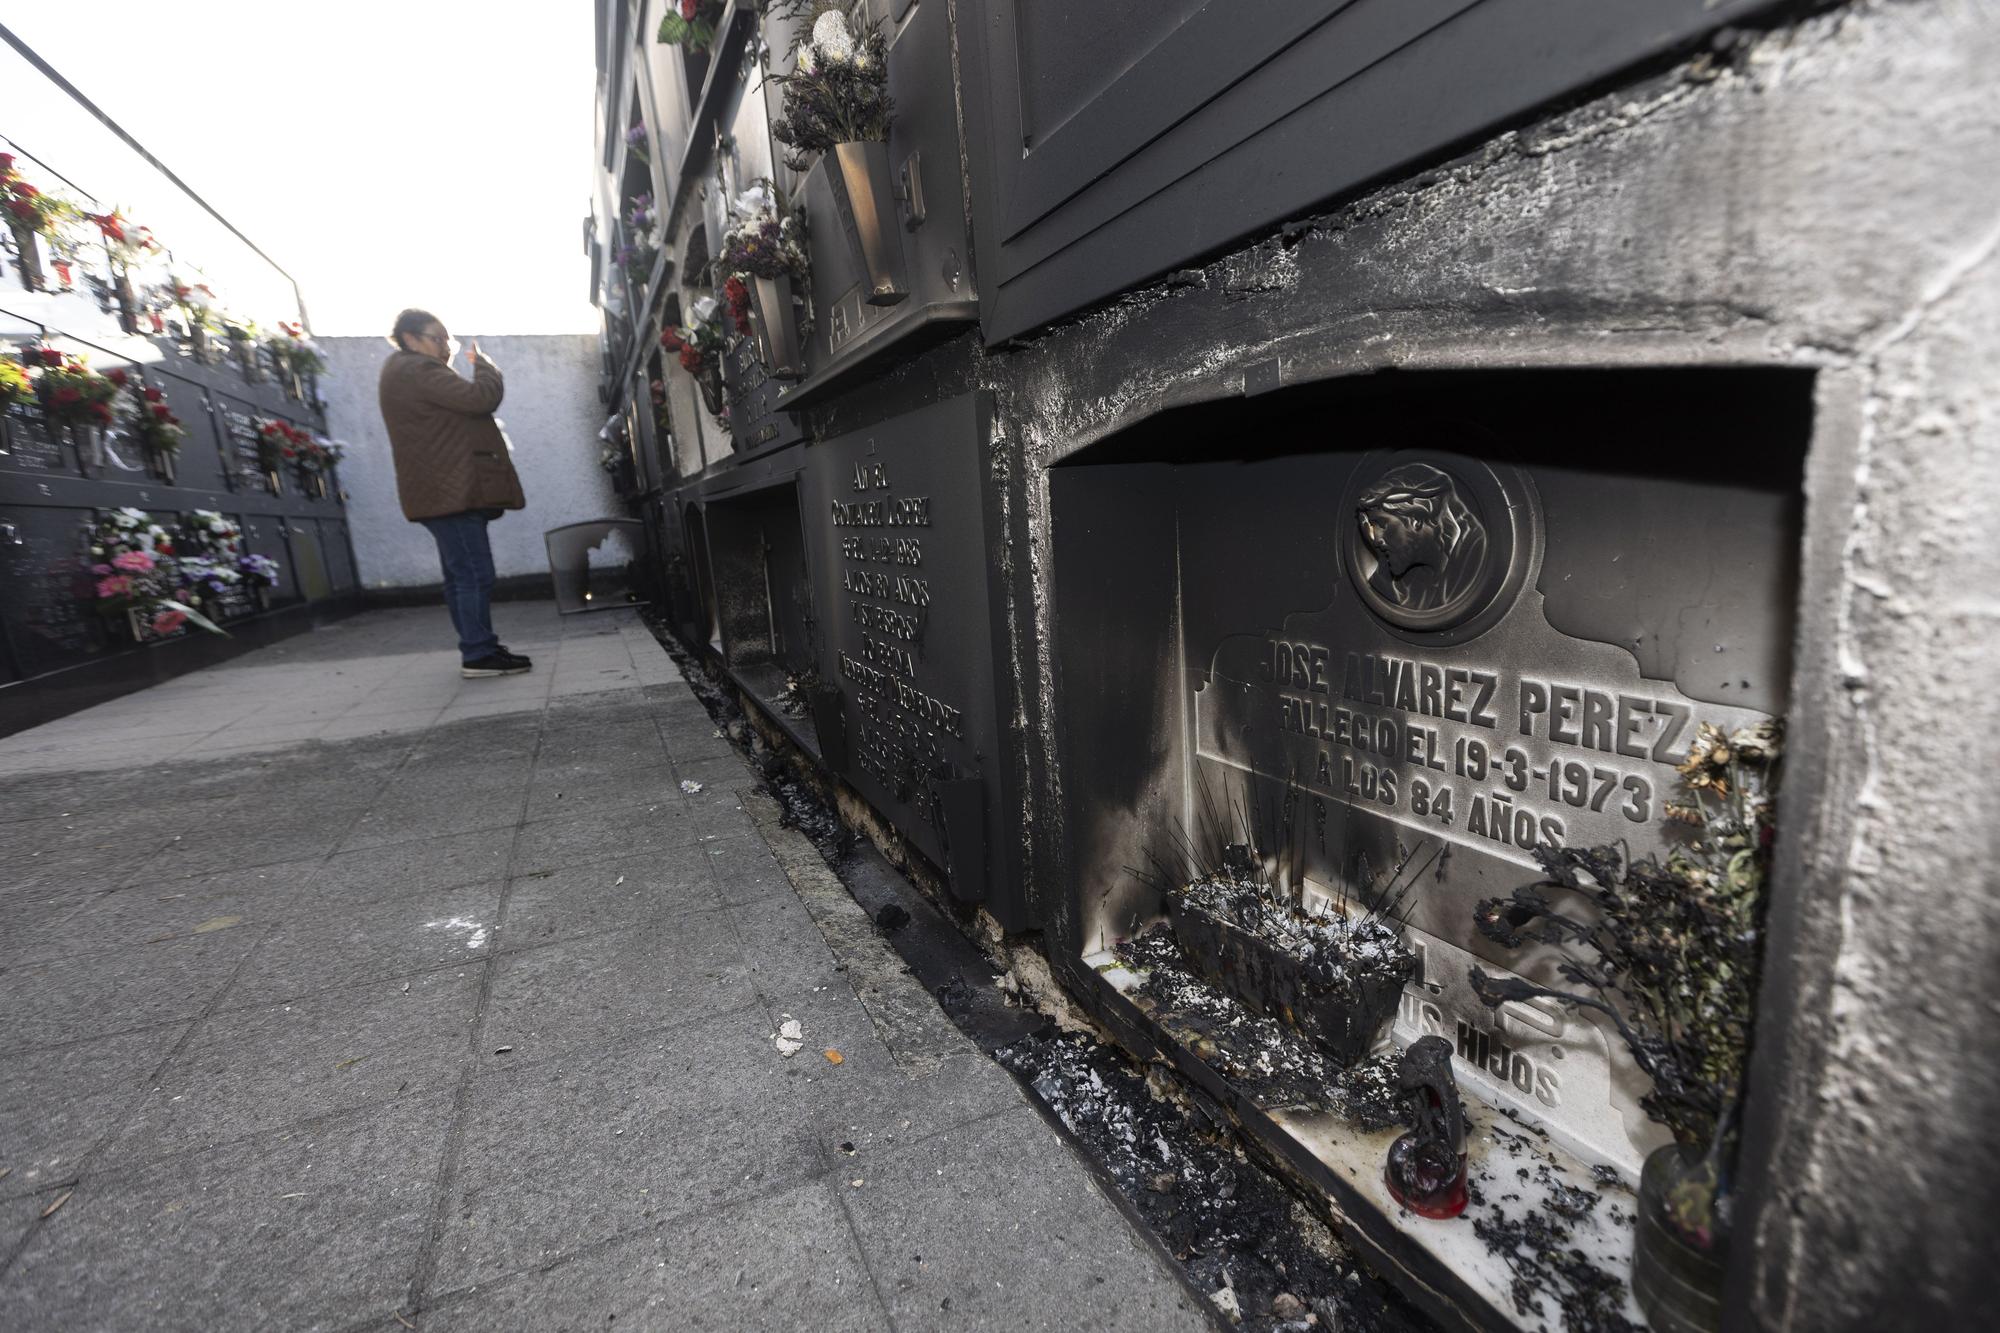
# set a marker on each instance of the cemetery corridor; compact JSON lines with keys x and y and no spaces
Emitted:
{"x":344,"y":993}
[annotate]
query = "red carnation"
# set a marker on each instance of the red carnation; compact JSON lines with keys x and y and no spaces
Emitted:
{"x":102,"y":412}
{"x":68,"y":394}
{"x":290,"y":453}
{"x":6,"y":163}
{"x":116,"y":376}
{"x":153,"y":395}
{"x":687,"y":9}
{"x":161,"y":412}
{"x":50,"y":356}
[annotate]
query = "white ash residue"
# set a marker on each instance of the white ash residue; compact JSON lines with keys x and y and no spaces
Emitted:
{"x":1276,"y":1066}
{"x":1333,"y":949}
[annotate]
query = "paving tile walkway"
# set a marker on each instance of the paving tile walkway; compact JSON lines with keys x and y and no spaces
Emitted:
{"x":341,"y":993}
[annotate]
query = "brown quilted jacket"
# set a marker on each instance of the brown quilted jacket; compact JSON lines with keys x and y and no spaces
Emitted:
{"x":450,"y":455}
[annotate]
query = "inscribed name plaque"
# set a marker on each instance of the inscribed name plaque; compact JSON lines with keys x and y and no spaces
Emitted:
{"x":1434,"y":727}
{"x":29,"y":444}
{"x":896,"y":518}
{"x":50,"y":607}
{"x":239,"y":445}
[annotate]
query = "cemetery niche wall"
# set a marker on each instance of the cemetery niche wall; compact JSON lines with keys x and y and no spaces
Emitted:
{"x":59,"y":650}
{"x":1394,"y":636}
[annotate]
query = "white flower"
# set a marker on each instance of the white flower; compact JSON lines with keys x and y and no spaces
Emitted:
{"x":704,"y":310}
{"x":757,"y":199}
{"x":807,"y":64}
{"x":831,"y":37}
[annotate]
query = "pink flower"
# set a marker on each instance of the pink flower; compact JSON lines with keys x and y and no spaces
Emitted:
{"x":100,"y":570}
{"x":136,"y":562}
{"x":168,"y":621}
{"x":117,"y":586}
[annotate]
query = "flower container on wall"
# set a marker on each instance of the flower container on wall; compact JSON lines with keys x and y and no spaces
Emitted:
{"x":89,"y":444}
{"x":862,"y":174}
{"x":710,"y":381}
{"x":128,"y":303}
{"x":27,"y":255}
{"x":162,"y":461}
{"x":244,"y":349}
{"x":1676,"y":1278}
{"x":777,"y":328}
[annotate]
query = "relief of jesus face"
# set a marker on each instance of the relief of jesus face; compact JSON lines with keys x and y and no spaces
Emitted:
{"x":1398,"y":542}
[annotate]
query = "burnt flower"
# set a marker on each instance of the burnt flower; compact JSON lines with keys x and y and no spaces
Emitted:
{"x":1667,"y":950}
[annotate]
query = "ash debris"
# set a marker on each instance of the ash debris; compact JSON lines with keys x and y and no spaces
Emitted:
{"x":1538,"y":1244}
{"x":1264,"y":1058}
{"x":1238,"y":1234}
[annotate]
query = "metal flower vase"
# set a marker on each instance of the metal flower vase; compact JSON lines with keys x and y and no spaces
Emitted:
{"x":710,"y":380}
{"x":863,"y":170}
{"x":163,"y":462}
{"x":128,"y":303}
{"x":245,"y":351}
{"x":777,"y":330}
{"x":198,"y":342}
{"x":89,"y":443}
{"x":1677,"y":1281}
{"x":28,"y":255}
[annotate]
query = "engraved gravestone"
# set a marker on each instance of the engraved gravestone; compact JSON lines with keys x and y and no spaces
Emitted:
{"x":49,"y":611}
{"x":1431,"y":715}
{"x":29,"y":444}
{"x":1441,"y":656}
{"x":239,"y":444}
{"x":895,"y":515}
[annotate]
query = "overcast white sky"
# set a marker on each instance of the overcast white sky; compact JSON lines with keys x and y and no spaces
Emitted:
{"x":386,"y":152}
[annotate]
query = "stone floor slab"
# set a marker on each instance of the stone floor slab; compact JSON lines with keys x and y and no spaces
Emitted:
{"x":314,"y":1229}
{"x":247,"y":1071}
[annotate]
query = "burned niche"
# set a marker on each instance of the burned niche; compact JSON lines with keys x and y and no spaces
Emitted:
{"x":763,"y":597}
{"x":1423,"y":628}
{"x":898,"y":527}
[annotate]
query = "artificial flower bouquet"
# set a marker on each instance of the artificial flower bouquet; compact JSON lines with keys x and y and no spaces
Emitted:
{"x":151,"y":419}
{"x":298,"y":354}
{"x":29,"y":214}
{"x":691,"y":24}
{"x":700,"y":342}
{"x":700,"y":345}
{"x":642,"y":227}
{"x":14,"y":384}
{"x":25,"y":206}
{"x":138,"y":576}
{"x":837,"y":109}
{"x":838,"y":92}
{"x":70,"y":392}
{"x":761,"y":241}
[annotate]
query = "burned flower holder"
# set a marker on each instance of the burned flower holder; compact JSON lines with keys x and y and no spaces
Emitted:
{"x":1334,"y":979}
{"x":861,"y":177}
{"x":1425,"y":1170}
{"x":1677,"y":1277}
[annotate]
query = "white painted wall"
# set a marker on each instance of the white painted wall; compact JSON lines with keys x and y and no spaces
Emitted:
{"x":552,"y":416}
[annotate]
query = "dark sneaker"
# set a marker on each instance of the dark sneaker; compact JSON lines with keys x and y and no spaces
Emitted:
{"x":495,"y":664}
{"x":519,"y":659}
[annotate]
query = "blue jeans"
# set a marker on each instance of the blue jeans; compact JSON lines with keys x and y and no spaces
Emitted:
{"x":468,"y":579}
